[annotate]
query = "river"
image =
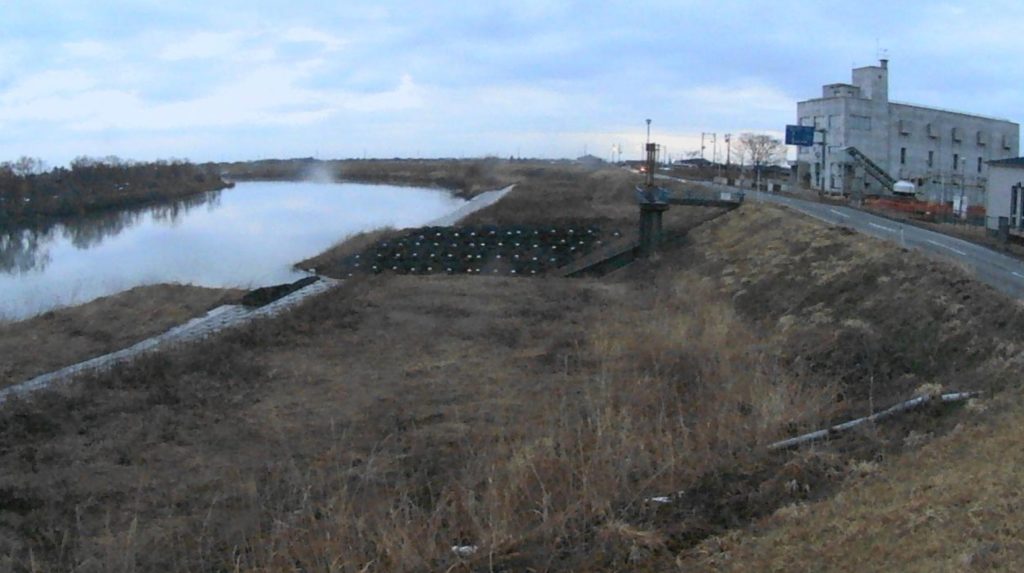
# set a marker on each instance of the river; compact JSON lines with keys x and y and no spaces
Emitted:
{"x":247,"y":237}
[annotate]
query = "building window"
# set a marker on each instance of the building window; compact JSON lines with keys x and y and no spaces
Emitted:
{"x":931,"y":158}
{"x":956,"y":161}
{"x":903,"y":156}
{"x":1013,"y":200}
{"x":979,"y":164}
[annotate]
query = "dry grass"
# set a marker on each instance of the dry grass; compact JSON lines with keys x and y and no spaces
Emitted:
{"x":379,"y":425}
{"x":68,"y":335}
{"x":647,"y":403}
{"x":351,"y":245}
{"x":858,"y":309}
{"x":952,"y":505}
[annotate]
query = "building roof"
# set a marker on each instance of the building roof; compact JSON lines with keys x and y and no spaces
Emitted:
{"x":1013,"y":162}
{"x":953,"y":111}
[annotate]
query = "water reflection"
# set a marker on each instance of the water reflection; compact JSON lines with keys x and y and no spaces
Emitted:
{"x":27,"y":249}
{"x":246,"y":237}
{"x":23,"y":250}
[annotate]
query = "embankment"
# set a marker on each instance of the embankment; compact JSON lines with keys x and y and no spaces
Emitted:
{"x":396,"y":416}
{"x":68,"y":335}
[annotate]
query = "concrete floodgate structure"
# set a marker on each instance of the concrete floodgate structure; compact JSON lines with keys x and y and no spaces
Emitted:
{"x":216,"y":320}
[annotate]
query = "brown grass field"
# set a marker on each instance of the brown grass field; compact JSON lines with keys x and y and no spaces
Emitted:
{"x":386,"y":421}
{"x":68,"y":335}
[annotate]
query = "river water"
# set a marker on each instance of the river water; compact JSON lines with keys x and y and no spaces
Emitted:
{"x":247,"y":237}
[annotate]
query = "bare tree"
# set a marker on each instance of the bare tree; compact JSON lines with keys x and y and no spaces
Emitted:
{"x":759,"y":149}
{"x":26,"y":166}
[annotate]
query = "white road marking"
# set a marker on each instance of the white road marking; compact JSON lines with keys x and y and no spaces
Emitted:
{"x":938,"y":244}
{"x":883,"y":227}
{"x":843,"y":215}
{"x":1016,"y":274}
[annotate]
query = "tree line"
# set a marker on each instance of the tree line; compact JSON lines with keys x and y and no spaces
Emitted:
{"x":30,"y":193}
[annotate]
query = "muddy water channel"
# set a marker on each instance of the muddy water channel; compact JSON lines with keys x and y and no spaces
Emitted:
{"x":247,"y":237}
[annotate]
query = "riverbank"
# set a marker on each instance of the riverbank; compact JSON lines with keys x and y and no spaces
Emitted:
{"x":33,"y":199}
{"x":21,"y":340}
{"x":72,"y":334}
{"x":543,"y":422}
{"x":465,"y":178}
{"x":247,"y":237}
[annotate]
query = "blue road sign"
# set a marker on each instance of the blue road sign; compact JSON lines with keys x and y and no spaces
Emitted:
{"x":802,"y":135}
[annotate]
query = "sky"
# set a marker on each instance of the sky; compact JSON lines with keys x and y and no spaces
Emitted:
{"x":225,"y":80}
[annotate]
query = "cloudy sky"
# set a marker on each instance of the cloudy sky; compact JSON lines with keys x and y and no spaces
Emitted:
{"x":227,"y":80}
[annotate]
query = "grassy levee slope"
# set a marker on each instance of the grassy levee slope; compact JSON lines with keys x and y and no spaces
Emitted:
{"x":65,"y":336}
{"x":375,"y":427}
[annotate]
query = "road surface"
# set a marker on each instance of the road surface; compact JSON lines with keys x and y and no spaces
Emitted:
{"x":1005,"y":274}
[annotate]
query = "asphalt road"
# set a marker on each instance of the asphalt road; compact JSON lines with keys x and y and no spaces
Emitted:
{"x":1003,"y":273}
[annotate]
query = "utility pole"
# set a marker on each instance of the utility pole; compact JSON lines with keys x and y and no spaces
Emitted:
{"x":728,"y":149}
{"x":702,"y":135}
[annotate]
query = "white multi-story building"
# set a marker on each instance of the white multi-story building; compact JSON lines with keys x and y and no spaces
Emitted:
{"x":1005,"y":194}
{"x":865,"y":143}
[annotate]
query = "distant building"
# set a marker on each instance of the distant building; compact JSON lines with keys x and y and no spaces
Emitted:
{"x":590,"y":160}
{"x":1005,"y":193}
{"x":871,"y":142}
{"x":694,"y":163}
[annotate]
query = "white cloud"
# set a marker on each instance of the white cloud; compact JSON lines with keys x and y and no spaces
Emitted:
{"x":739,"y":99}
{"x":311,"y":35}
{"x":47,"y":84}
{"x":457,"y":78}
{"x":89,"y":50}
{"x":271,"y":95}
{"x":229,"y":46}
